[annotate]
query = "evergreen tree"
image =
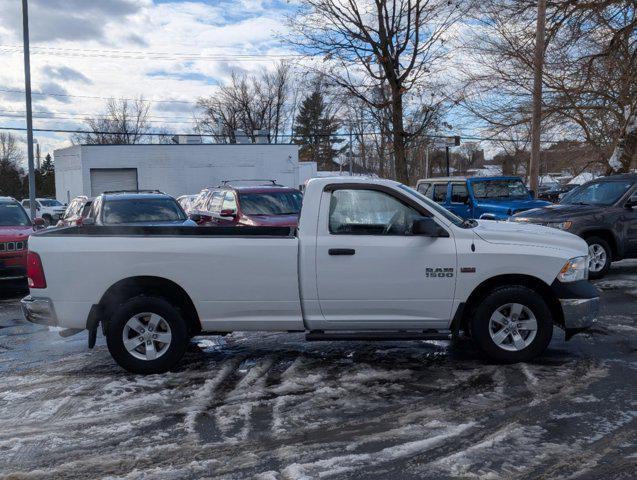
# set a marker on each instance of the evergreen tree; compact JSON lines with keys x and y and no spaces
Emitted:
{"x":45,"y":178}
{"x":316,"y":132}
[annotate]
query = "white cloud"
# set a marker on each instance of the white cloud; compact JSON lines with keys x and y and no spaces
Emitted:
{"x":78,"y":45}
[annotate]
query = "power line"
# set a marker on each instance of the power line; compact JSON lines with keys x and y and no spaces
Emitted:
{"x":129,"y":55}
{"x":288,"y":135}
{"x":48,"y":94}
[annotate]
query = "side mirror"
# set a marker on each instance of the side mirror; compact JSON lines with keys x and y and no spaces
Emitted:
{"x":195,"y":217}
{"x":427,"y":227}
{"x":39,"y":223}
{"x":228,"y":212}
{"x":533,"y":194}
{"x":88,"y":222}
{"x":632,"y":203}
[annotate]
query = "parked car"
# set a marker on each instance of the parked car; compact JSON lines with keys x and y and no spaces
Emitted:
{"x":144,"y":207}
{"x":76,"y":212}
{"x":490,"y":198}
{"x":186,"y":201}
{"x":552,"y":193}
{"x":371,"y":260}
{"x":15,"y":228}
{"x":49,"y":209}
{"x":603,"y":212}
{"x":231,"y":204}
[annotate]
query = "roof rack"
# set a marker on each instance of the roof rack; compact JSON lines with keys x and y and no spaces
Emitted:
{"x":133,"y":191}
{"x":268,"y":181}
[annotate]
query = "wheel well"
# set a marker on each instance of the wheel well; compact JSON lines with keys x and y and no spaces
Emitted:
{"x":606,"y":235}
{"x":527,"y":281}
{"x":131,"y":287}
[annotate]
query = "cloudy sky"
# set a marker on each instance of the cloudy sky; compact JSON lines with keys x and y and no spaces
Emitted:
{"x":169,"y":51}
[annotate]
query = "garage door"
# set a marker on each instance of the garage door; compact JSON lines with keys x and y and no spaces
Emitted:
{"x":112,"y":179}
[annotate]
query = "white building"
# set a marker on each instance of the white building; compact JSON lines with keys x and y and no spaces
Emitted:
{"x":172,"y":168}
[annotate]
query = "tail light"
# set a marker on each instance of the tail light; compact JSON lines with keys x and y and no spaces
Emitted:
{"x":35,"y":272}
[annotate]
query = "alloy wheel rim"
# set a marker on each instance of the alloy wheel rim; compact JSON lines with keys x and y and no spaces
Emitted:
{"x":596,"y":257}
{"x":513,"y":327}
{"x":147,"y":336}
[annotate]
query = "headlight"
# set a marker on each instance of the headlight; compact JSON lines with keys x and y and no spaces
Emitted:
{"x":575,"y":269}
{"x":561,"y":225}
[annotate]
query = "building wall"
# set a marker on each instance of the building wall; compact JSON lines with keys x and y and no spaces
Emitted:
{"x":68,"y":173}
{"x":179,"y":169}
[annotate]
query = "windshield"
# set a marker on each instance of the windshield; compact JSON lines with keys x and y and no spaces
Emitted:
{"x":13,"y":215}
{"x":271,"y":203}
{"x":598,"y":193}
{"x":138,"y":210}
{"x":491,"y":189}
{"x":50,"y":203}
{"x":459,"y":222}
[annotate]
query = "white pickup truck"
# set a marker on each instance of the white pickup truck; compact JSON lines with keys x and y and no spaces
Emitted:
{"x":371,"y":260}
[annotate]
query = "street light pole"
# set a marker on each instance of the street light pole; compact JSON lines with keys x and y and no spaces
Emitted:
{"x":27,"y":90}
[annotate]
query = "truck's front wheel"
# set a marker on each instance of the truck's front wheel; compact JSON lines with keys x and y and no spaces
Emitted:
{"x":512,"y":324}
{"x":146,"y":335}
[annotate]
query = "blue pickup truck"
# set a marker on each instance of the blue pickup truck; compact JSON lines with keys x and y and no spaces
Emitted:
{"x":491,"y":198}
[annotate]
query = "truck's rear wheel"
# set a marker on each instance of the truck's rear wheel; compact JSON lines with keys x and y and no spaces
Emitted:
{"x":512,"y":324}
{"x":146,"y":335}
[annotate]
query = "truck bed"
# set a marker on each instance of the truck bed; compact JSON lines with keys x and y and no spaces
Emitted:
{"x":238,"y":278}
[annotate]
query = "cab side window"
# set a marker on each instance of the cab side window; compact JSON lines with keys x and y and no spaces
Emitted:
{"x":440,"y":192}
{"x":369,"y":212}
{"x":459,"y":193}
{"x":229,"y":202}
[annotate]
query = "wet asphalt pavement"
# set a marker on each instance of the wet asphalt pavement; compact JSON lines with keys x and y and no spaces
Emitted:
{"x":270,"y":406}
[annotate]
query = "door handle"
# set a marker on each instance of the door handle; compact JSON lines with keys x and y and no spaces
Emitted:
{"x":341,"y":251}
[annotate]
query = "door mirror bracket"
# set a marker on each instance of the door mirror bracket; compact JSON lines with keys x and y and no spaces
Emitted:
{"x":427,"y":227}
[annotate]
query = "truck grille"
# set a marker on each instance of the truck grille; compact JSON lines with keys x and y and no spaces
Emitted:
{"x":11,"y":246}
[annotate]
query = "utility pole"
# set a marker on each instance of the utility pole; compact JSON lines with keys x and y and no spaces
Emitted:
{"x":27,"y":90}
{"x":536,"y":121}
{"x":447,"y":159}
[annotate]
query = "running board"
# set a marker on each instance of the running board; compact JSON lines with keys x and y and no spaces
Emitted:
{"x":317,"y":336}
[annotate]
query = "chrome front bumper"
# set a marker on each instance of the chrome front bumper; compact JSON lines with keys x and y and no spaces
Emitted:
{"x":39,"y":310}
{"x":579,"y":313}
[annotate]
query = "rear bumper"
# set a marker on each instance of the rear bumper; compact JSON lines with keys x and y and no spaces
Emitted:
{"x":580,"y":304}
{"x":39,"y":310}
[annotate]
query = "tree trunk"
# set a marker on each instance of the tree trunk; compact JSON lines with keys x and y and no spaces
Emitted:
{"x":398,"y":133}
{"x":626,"y":147}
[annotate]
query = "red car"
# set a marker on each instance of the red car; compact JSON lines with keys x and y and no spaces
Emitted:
{"x":228,"y":205}
{"x":15,"y":228}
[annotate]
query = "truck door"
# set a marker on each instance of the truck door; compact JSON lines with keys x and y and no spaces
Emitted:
{"x":371,"y":272}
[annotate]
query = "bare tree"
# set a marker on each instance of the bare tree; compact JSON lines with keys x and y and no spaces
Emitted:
{"x":590,"y":73}
{"x":391,"y":45}
{"x":10,"y":152}
{"x":10,"y":171}
{"x":124,"y":122}
{"x":248,"y":103}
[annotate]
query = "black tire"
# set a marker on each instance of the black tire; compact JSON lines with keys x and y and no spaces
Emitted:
{"x":609,"y":256}
{"x":169,"y":357}
{"x":515,"y":294}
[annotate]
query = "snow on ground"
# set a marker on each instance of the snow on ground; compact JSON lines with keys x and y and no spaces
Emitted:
{"x":271,"y":406}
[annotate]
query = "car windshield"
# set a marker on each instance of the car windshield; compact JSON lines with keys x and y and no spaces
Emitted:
{"x":13,"y":215}
{"x":271,"y":203}
{"x":598,"y":193}
{"x":50,"y":203}
{"x":434,"y":206}
{"x":139,"y":210}
{"x":491,"y":189}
